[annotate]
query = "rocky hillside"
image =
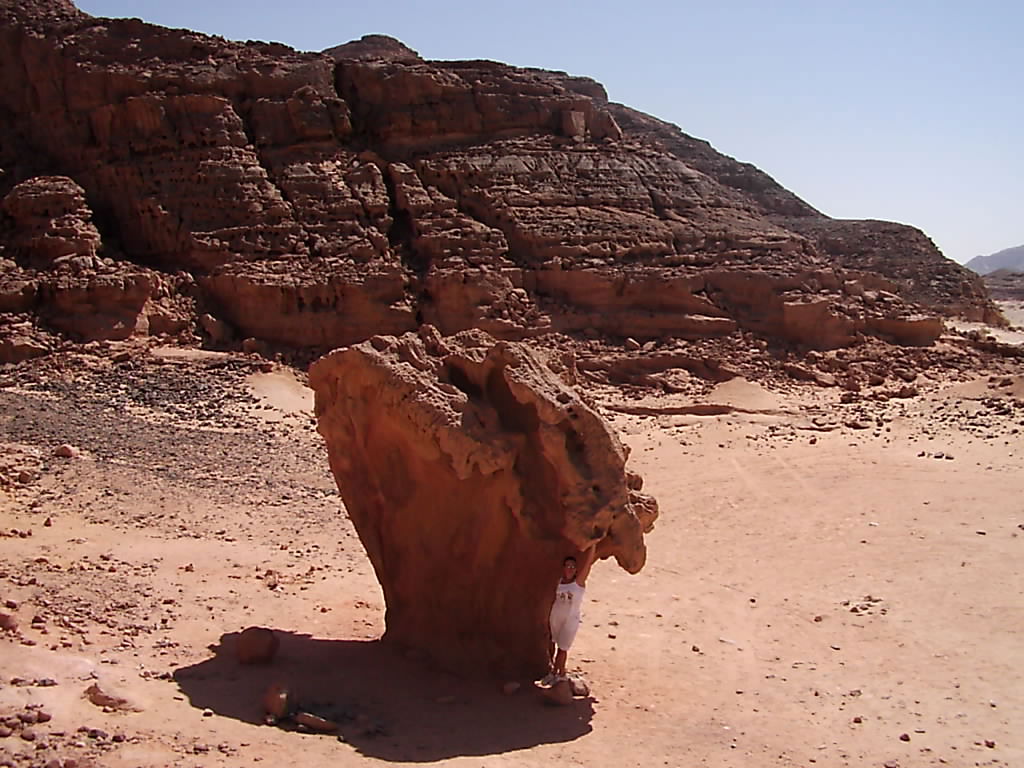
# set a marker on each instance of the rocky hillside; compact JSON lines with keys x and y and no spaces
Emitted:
{"x":1006,"y":285}
{"x":159,"y":181}
{"x":1009,"y":258}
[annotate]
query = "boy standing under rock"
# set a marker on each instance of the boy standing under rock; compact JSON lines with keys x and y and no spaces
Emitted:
{"x":566,"y":611}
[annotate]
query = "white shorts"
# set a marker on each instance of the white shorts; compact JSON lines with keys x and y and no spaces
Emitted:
{"x":563,"y":629}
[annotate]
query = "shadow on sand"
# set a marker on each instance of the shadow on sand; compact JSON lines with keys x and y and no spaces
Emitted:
{"x":389,"y":707}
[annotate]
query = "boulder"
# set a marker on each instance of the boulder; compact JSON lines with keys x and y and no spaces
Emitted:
{"x":470,"y":470}
{"x":52,"y":223}
{"x":107,"y":695}
{"x":278,"y":701}
{"x":560,"y":694}
{"x":256,"y":645}
{"x":579,"y":687}
{"x":917,"y":330}
{"x":16,"y":347}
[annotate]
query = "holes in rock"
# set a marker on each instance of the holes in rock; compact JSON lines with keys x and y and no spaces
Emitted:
{"x":514,"y":415}
{"x":573,"y":442}
{"x":458,"y":378}
{"x":401,"y":227}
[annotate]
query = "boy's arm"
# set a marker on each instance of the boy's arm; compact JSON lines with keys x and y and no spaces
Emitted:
{"x":585,"y":564}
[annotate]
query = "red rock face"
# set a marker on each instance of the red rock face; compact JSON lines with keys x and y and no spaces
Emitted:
{"x":55,"y":269}
{"x":317,"y":199}
{"x":470,"y":470}
{"x":51,"y":224}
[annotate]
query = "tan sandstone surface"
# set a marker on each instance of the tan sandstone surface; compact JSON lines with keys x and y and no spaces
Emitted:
{"x":829,"y":583}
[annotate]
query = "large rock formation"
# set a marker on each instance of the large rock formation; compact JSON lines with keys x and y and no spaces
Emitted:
{"x":316,"y":199}
{"x":52,"y":224}
{"x":52,"y":268}
{"x":471,"y":468}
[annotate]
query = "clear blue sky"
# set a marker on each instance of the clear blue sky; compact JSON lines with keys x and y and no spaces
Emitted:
{"x":902,"y":110}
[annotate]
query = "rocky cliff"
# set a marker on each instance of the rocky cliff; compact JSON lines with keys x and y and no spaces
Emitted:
{"x":153,"y":176}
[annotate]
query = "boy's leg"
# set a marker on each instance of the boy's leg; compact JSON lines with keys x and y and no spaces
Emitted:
{"x":564,"y":640}
{"x":560,"y":658}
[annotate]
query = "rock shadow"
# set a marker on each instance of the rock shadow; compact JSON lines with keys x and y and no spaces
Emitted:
{"x":388,"y":706}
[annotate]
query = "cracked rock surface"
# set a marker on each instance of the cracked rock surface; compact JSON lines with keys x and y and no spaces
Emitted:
{"x":316,"y":199}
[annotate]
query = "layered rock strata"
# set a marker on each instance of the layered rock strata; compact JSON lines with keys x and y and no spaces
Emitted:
{"x":316,"y":199}
{"x":52,"y":269}
{"x":471,"y":469}
{"x":1005,"y":285}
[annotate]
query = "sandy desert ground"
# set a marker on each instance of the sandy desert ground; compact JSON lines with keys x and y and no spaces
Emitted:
{"x":829,"y":584}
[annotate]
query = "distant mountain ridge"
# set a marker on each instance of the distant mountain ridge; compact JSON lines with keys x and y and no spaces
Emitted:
{"x":1008,"y":258}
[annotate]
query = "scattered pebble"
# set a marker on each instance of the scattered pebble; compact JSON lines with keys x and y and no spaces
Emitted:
{"x":66,"y":451}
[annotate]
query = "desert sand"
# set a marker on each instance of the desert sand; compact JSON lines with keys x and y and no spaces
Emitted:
{"x":828,"y":584}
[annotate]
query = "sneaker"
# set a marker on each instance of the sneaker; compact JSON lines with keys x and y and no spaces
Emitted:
{"x":548,"y":679}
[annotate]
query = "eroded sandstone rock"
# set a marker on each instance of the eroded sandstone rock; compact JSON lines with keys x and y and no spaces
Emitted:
{"x":52,"y":224}
{"x":317,"y":199}
{"x":470,"y":470}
